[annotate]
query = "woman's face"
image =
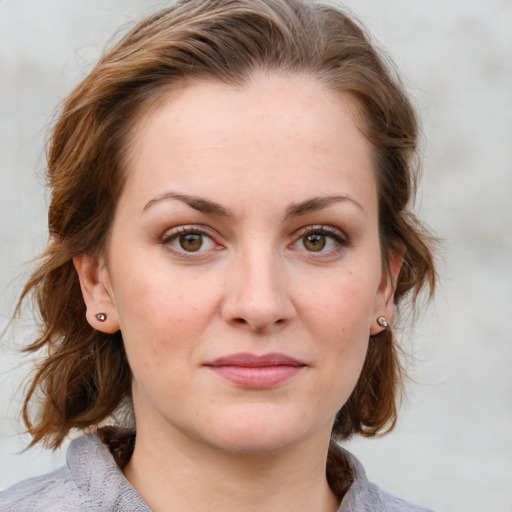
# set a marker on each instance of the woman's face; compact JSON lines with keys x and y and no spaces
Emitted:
{"x":243,"y":265}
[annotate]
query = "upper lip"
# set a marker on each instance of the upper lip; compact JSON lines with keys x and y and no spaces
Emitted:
{"x":255,"y":361}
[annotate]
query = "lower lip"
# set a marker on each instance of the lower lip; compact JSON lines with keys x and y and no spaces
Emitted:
{"x":261,"y":377}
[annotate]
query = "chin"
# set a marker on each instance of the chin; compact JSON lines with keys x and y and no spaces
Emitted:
{"x":261,"y":435}
{"x":259,"y":445}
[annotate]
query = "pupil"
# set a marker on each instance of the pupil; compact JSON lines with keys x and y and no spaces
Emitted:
{"x":315,"y":242}
{"x":191,"y":242}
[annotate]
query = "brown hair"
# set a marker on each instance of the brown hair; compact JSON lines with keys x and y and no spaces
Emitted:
{"x":85,"y":377}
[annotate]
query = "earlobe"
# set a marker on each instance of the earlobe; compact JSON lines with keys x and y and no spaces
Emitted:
{"x":97,"y":293}
{"x":384,"y":304}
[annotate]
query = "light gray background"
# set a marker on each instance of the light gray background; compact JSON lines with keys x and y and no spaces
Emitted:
{"x":452,"y":449}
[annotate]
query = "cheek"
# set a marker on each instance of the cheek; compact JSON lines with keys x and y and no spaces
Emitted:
{"x":161,"y":313}
{"x":344,"y":305}
{"x":340,"y":319}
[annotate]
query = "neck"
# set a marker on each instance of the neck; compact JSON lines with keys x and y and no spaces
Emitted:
{"x":173,"y":469}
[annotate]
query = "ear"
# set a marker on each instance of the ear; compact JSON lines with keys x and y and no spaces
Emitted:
{"x":97,"y":292}
{"x":384,"y":303}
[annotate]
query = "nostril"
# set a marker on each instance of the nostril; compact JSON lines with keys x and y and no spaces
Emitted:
{"x":240,"y":321}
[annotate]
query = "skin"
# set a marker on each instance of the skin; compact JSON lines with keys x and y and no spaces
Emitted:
{"x":261,"y":152}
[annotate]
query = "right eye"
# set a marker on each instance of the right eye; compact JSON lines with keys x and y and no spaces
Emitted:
{"x":188,"y":240}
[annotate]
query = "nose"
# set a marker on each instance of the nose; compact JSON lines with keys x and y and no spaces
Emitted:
{"x":257,"y":294}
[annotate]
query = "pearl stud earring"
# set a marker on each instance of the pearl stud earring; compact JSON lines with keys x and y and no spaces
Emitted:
{"x":382,"y":321}
{"x":101,"y":317}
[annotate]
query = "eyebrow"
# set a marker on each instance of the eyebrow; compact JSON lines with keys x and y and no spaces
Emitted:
{"x":317,"y":203}
{"x":198,"y":203}
{"x":211,"y":207}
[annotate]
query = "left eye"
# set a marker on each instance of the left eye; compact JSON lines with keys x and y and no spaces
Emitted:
{"x":320,"y":240}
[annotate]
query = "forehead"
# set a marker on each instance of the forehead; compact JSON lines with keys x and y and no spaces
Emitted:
{"x":266,"y":99}
{"x":290,"y":131}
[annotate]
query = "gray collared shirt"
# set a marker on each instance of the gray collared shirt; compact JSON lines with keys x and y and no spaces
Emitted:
{"x":92,"y":482}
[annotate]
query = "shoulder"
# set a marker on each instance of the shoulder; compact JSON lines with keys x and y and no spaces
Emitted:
{"x":54,"y":492}
{"x":377,"y":499}
{"x":89,"y":482}
{"x":365,"y":496}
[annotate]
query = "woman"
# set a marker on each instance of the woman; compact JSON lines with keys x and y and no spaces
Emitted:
{"x":229,"y":239}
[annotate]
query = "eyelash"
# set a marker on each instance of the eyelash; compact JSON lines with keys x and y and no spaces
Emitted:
{"x":340,"y":239}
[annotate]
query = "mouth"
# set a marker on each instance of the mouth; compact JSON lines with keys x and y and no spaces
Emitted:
{"x":256,"y":372}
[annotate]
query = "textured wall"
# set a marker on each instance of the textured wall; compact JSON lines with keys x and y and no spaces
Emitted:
{"x":452,"y":448}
